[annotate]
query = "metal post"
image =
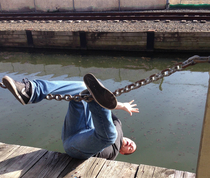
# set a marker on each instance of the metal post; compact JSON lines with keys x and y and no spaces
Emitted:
{"x":73,"y":6}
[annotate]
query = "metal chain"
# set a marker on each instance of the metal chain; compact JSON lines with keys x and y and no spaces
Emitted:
{"x":152,"y":78}
{"x":164,"y":73}
{"x":67,"y":97}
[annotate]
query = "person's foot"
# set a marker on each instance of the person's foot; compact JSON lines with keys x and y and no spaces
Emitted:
{"x":21,"y":90}
{"x":101,"y":95}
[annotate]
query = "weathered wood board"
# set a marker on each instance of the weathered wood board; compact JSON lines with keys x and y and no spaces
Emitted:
{"x":22,"y":161}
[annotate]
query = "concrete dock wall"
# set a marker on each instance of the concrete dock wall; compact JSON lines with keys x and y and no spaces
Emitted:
{"x":78,"y":5}
{"x":127,"y":41}
{"x":96,"y":5}
{"x":88,"y":5}
{"x":173,"y":2}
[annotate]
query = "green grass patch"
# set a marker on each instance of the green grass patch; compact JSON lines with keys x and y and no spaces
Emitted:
{"x":190,"y":6}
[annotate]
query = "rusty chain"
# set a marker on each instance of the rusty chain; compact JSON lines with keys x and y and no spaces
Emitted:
{"x":164,"y":73}
{"x":67,"y":97}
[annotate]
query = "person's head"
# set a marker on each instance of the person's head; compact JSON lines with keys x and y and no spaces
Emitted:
{"x":128,"y":146}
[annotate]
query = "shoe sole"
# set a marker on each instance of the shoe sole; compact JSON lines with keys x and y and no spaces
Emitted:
{"x":101,"y":95}
{"x":9,"y":83}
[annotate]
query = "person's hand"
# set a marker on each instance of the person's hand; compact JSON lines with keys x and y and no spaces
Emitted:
{"x":128,"y":107}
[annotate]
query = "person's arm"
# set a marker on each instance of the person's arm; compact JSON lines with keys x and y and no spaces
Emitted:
{"x":127,"y":107}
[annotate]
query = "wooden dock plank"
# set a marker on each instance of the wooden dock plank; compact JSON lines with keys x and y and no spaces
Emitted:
{"x":73,"y":164}
{"x":117,"y":169}
{"x":88,"y":169}
{"x":163,"y":172}
{"x":19,"y":161}
{"x":22,"y":161}
{"x":6,"y":150}
{"x":50,"y":165}
{"x":146,"y":171}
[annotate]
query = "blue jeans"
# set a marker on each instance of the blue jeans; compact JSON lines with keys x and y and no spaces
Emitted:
{"x":88,"y":128}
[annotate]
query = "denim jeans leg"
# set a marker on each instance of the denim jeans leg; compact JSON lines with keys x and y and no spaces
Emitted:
{"x":78,"y":119}
{"x":88,"y":141}
{"x":41,"y":88}
{"x":88,"y":128}
{"x":103,"y":123}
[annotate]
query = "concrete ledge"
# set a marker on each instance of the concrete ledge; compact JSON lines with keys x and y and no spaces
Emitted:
{"x":117,"y":41}
{"x":126,"y":41}
{"x":52,"y":39}
{"x":182,"y":41}
{"x":13,"y":38}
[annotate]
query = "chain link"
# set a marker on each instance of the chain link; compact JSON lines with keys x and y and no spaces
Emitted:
{"x":67,"y":97}
{"x":152,"y":78}
{"x":164,"y":73}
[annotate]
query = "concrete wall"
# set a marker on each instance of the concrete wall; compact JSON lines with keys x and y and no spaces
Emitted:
{"x":78,"y":5}
{"x":133,"y":41}
{"x":53,"y":5}
{"x":88,"y":5}
{"x":173,"y":2}
{"x":142,"y":4}
{"x":195,"y":2}
{"x":96,"y":5}
{"x":17,"y":5}
{"x":13,"y":38}
{"x":182,"y":41}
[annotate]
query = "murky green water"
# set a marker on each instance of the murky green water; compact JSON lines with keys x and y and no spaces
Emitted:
{"x":167,"y":130}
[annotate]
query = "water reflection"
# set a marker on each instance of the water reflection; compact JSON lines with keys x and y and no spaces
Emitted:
{"x":167,"y":129}
{"x":123,"y":67}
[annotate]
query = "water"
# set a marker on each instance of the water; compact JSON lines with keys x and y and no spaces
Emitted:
{"x":167,"y":130}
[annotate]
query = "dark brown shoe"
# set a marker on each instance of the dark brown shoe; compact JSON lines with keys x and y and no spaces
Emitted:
{"x":101,"y":95}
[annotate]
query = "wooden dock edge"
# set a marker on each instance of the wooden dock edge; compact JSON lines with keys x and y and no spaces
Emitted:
{"x":23,"y":161}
